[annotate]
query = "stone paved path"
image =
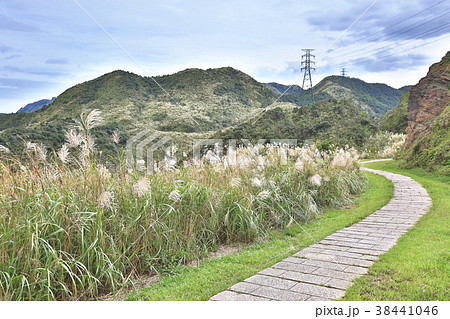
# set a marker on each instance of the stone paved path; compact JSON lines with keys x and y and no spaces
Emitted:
{"x":324,"y":270}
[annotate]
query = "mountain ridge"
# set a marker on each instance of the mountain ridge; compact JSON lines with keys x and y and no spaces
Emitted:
{"x":374,"y":98}
{"x":194,"y":102}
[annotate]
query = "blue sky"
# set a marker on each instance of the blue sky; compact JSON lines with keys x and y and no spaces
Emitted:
{"x":47,"y":46}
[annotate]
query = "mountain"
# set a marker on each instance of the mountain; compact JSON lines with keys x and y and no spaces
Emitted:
{"x":428,"y":140}
{"x":396,"y":120}
{"x":331,"y":121}
{"x":31,"y":107}
{"x":195,"y":103}
{"x":279,"y":89}
{"x":374,"y":98}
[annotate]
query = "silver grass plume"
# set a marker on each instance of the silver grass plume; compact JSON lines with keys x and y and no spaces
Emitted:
{"x":73,"y":138}
{"x":4,"y":149}
{"x":115,"y":137}
{"x":64,"y":154}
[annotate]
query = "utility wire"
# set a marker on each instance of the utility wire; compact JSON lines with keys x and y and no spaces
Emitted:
{"x":346,"y":30}
{"x":411,"y":39}
{"x":392,"y":35}
{"x":130,"y":56}
{"x":329,"y":48}
{"x":392,"y":25}
{"x":391,"y":54}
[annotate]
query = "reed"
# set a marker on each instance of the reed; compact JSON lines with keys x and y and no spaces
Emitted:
{"x":73,"y":229}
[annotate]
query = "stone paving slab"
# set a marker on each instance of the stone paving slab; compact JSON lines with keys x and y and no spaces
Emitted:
{"x":323,"y":271}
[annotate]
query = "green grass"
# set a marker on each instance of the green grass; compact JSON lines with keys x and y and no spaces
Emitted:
{"x":418,"y":267}
{"x":216,"y":275}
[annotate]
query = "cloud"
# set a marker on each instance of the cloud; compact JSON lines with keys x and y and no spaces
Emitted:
{"x":7,"y":23}
{"x":13,"y":56}
{"x":14,"y":88}
{"x":385,"y":20}
{"x":56,"y":61}
{"x":34,"y":71}
{"x":392,"y":63}
{"x":8,"y":87}
{"x":6,"y":49}
{"x":337,"y":17}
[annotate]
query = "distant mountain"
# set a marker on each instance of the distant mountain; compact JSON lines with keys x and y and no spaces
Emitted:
{"x":281,"y":88}
{"x":374,"y":98}
{"x":31,"y":107}
{"x":405,"y":88}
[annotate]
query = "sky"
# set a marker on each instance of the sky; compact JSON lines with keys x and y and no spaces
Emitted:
{"x":47,"y":46}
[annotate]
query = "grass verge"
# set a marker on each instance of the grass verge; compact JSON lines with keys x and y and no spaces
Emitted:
{"x":216,"y":275}
{"x":418,"y":266}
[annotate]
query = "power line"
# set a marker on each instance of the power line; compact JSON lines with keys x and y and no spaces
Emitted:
{"x":386,"y":37}
{"x":129,"y":55}
{"x":411,"y":39}
{"x":392,"y":25}
{"x":346,"y":30}
{"x":329,"y":48}
{"x":388,"y":55}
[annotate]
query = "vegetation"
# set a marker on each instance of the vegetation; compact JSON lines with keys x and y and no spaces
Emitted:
{"x":74,"y":229}
{"x":432,"y":151}
{"x":198,"y":103}
{"x":396,"y":120}
{"x":330,"y":122}
{"x":383,"y":145}
{"x":203,"y":100}
{"x":216,"y":275}
{"x":418,"y":266}
{"x":283,"y":89}
{"x":374,"y":98}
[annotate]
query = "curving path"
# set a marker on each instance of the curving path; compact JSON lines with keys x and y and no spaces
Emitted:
{"x":323,"y":271}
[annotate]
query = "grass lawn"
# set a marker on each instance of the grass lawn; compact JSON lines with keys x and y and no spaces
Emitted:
{"x":418,"y":267}
{"x":216,"y":275}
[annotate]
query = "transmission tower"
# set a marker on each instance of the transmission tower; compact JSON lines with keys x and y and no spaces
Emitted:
{"x":306,"y":65}
{"x":343,"y":72}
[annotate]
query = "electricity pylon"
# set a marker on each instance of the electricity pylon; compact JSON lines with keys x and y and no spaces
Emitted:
{"x":343,"y":72}
{"x":306,"y":66}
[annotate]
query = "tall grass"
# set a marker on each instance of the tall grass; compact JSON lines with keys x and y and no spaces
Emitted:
{"x":383,"y":144}
{"x":72,"y":229}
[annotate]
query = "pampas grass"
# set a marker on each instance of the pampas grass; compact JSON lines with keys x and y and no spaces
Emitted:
{"x":73,"y":229}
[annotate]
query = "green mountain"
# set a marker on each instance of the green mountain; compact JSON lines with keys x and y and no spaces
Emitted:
{"x":396,"y":120}
{"x":331,"y":121}
{"x":374,"y":98}
{"x":196,"y":103}
{"x":278,"y":88}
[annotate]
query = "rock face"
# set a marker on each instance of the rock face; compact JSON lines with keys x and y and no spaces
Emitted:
{"x":428,"y":99}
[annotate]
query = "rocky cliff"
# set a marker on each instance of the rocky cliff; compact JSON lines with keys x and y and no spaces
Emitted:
{"x":428,"y":141}
{"x":428,"y":99}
